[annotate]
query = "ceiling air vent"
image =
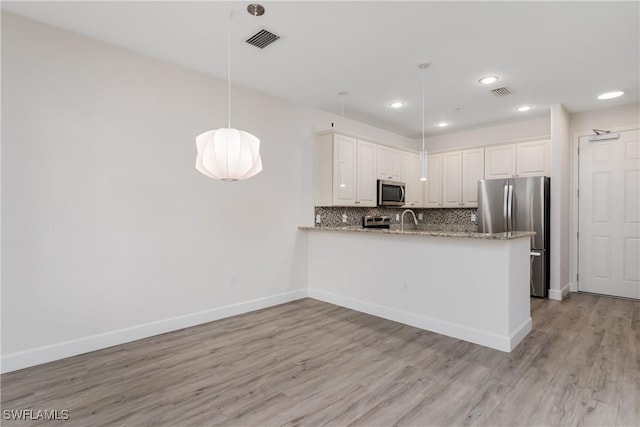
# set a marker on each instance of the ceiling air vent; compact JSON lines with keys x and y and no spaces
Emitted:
{"x":262,"y":38}
{"x":501,"y":91}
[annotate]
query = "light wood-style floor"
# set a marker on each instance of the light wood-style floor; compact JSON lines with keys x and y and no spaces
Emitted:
{"x":309,"y":363}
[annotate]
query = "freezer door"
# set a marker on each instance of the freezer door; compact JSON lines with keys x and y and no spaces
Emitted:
{"x":530,"y":208}
{"x":492,"y":205}
{"x":539,"y":277}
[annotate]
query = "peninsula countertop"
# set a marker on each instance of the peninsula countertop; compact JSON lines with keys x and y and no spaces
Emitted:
{"x":427,"y":231}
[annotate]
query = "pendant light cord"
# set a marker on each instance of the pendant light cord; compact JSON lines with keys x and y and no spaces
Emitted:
{"x":423,"y":71}
{"x":229,"y":69}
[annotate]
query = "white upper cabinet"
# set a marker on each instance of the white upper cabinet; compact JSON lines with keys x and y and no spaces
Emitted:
{"x":411,"y":178}
{"x":389,"y":163}
{"x":452,"y":179}
{"x":521,"y":159}
{"x":433,"y":186}
{"x":366,"y":188}
{"x":472,"y":172}
{"x":533,"y":158}
{"x":345,"y":171}
{"x":500,"y":161}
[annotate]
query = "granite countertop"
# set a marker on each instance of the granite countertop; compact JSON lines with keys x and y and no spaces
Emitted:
{"x":428,"y":231}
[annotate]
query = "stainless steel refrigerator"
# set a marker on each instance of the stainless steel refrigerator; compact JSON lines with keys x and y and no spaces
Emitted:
{"x":519,"y":204}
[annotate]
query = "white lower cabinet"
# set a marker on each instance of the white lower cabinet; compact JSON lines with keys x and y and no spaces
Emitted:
{"x":433,"y":186}
{"x":411,"y":177}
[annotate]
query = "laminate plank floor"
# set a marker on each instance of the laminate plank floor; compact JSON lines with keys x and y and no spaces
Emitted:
{"x":309,"y":363}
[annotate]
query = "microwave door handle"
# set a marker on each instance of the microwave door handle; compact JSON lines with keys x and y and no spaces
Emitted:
{"x":505,"y":202}
{"x":402,"y":189}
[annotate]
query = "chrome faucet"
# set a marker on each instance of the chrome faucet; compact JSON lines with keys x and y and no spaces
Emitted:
{"x":402,"y":220}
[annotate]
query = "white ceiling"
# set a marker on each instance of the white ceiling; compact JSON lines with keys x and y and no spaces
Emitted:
{"x":545,"y":52}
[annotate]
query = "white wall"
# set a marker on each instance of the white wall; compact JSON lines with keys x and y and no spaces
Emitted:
{"x":510,"y":132}
{"x":109,"y":233}
{"x":560,"y":207}
{"x":605,"y":118}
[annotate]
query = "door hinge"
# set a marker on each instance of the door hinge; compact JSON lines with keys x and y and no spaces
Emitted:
{"x":578,"y":193}
{"x":578,"y":150}
{"x":578,"y":235}
{"x":577,"y":277}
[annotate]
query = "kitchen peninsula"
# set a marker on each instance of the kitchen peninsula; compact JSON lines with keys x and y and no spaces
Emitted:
{"x":467,"y":285}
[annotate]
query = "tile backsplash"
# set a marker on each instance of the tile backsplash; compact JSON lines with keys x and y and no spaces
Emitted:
{"x":331,"y":216}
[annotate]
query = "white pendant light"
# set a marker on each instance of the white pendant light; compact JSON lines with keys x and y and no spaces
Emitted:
{"x":423,"y":154}
{"x":228,"y":154}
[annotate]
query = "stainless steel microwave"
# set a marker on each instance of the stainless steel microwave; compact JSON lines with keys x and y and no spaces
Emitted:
{"x":390,"y":193}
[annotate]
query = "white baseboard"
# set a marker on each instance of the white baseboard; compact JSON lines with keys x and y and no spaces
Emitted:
{"x":498,"y":342}
{"x":36,"y":356}
{"x":559,"y":294}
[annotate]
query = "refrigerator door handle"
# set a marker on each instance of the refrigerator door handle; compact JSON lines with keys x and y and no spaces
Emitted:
{"x":510,"y":208}
{"x":535,"y":253}
{"x":504,"y":208}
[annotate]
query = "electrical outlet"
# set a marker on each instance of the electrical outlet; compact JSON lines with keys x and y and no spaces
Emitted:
{"x":344,"y":217}
{"x":420,"y":217}
{"x":318,"y":219}
{"x":405,"y":285}
{"x":397,"y":217}
{"x":234,"y":280}
{"x":473,"y":217}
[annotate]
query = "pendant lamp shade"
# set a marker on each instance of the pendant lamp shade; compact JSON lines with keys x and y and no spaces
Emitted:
{"x":228,"y":154}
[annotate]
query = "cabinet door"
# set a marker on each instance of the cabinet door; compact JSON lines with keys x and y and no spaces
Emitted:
{"x":472,"y":172}
{"x":433,"y":186}
{"x":344,"y":170}
{"x":366,"y":174}
{"x":395,"y":164}
{"x":411,"y":178}
{"x":452,"y":179}
{"x":500,"y":161}
{"x":389,"y":163}
{"x":533,"y":158}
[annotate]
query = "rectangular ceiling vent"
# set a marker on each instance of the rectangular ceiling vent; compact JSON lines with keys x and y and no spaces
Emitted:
{"x":262,"y":38}
{"x":501,"y":91}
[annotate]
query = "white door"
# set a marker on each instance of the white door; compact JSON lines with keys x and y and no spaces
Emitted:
{"x":609,"y":216}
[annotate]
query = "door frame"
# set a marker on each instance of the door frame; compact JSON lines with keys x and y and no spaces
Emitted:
{"x":574,"y":183}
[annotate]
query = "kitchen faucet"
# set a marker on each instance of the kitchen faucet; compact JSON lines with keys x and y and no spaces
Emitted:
{"x":402,"y":220}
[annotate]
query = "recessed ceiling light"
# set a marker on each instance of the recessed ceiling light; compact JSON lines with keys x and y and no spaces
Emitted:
{"x":396,"y":104}
{"x":487,"y":80}
{"x":523,"y":108}
{"x":443,"y":124}
{"x":610,"y":95}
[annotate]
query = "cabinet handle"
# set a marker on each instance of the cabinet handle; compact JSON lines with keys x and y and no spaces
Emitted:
{"x":357,"y":202}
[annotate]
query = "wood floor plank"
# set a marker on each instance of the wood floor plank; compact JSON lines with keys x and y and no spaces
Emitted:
{"x":309,"y":363}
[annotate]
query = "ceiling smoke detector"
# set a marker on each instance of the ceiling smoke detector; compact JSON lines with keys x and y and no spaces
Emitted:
{"x":501,"y":91}
{"x":262,"y":38}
